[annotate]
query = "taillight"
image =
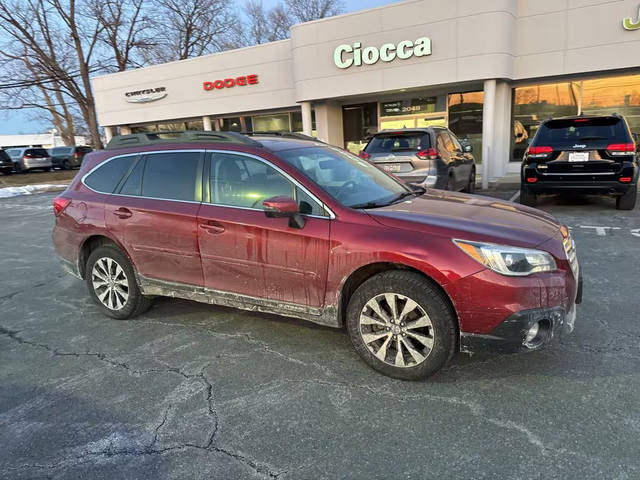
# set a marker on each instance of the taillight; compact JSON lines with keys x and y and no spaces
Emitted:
{"x":59,"y":204}
{"x":364,"y":155}
{"x":428,"y":154}
{"x":625,"y":179}
{"x":540,"y":150}
{"x":76,"y":155}
{"x":532,"y":180}
{"x":621,"y":148}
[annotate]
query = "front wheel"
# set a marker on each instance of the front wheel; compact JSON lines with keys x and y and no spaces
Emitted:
{"x":527,"y":198}
{"x":402,"y":325}
{"x":17,"y":167}
{"x":628,"y":200}
{"x":112,"y":283}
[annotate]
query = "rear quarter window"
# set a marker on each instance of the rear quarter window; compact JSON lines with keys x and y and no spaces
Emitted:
{"x":398,"y":142}
{"x":108,"y":174}
{"x":582,"y":130}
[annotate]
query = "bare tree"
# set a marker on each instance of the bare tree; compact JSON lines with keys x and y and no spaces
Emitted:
{"x":126,"y":29}
{"x":263,"y":25}
{"x":306,"y":10}
{"x":190,"y":28}
{"x":59,"y":39}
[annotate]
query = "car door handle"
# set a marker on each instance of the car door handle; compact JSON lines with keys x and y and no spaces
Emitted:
{"x":212,"y":227}
{"x":122,"y":213}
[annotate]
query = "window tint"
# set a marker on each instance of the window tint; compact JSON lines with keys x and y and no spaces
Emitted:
{"x":4,"y":156}
{"x":84,"y":149}
{"x":37,"y":152}
{"x":133,"y":183}
{"x":171,"y":175}
{"x":105,"y":178}
{"x":398,"y":142}
{"x":454,"y":141}
{"x":582,"y":130}
{"x":240,"y":181}
{"x":59,"y":150}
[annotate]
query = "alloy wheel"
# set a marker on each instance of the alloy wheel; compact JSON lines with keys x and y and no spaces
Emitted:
{"x":110,"y":283}
{"x":397,"y":330}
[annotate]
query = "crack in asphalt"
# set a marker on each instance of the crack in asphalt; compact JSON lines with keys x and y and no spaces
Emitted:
{"x":150,"y":449}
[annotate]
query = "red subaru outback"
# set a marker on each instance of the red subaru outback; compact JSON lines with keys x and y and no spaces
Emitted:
{"x":303,"y":229}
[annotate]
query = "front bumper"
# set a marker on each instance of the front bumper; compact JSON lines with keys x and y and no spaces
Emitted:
{"x":511,"y":335}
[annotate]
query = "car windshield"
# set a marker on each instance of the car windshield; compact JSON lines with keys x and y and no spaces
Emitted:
{"x":398,"y":142}
{"x":352,"y":181}
{"x":581,"y":129}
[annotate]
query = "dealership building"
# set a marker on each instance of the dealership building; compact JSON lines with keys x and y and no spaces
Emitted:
{"x":490,"y":70}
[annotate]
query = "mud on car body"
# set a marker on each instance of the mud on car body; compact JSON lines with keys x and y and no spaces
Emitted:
{"x":307,"y":230}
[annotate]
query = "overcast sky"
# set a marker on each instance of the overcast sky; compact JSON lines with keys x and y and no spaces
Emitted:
{"x":16,"y":122}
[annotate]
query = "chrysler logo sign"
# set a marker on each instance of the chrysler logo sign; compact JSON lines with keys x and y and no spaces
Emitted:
{"x":146,"y":95}
{"x":344,"y":56}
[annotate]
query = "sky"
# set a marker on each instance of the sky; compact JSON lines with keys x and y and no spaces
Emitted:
{"x":19,"y":122}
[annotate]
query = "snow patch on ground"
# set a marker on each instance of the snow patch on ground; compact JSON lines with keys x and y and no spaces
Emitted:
{"x":7,"y":192}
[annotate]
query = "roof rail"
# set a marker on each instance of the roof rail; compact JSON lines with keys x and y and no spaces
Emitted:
{"x":155,"y":138}
{"x":285,"y":134}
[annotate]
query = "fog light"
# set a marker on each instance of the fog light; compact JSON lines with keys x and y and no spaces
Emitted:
{"x":532,"y":333}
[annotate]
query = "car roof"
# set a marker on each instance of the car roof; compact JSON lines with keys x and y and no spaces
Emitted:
{"x":583,"y":117}
{"x":398,"y":131}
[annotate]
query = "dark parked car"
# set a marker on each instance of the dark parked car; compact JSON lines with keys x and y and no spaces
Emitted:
{"x":307,"y":230}
{"x":30,"y":158}
{"x":68,"y":157}
{"x":429,"y":157}
{"x":6,"y":164}
{"x":582,"y":155}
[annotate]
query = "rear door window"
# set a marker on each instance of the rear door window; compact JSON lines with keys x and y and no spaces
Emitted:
{"x":582,"y":130}
{"x":108,"y":174}
{"x":37,"y":152}
{"x":172,"y":176}
{"x":398,"y":142}
{"x":61,"y":150}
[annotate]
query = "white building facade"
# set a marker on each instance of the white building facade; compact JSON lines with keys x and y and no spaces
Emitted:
{"x":490,"y":70}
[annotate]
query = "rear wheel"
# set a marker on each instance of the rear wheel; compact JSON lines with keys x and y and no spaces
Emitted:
{"x":17,"y":167}
{"x":66,"y":165}
{"x":628,"y":200}
{"x":401,"y":325}
{"x":112,"y":283}
{"x":527,"y":198}
{"x":451,"y":186}
{"x":471,"y":186}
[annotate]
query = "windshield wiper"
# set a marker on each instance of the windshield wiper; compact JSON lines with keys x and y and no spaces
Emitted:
{"x":417,"y":191}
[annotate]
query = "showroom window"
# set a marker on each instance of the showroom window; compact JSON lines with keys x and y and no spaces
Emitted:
{"x":599,"y":96}
{"x":465,"y":119}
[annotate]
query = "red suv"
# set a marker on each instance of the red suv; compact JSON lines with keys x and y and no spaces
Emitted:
{"x":307,"y":230}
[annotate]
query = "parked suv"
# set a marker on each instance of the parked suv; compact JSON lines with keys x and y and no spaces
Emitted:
{"x":584,"y":155}
{"x":6,"y":164}
{"x":307,"y":230}
{"x":429,"y":157}
{"x":25,"y":159}
{"x":68,"y":157}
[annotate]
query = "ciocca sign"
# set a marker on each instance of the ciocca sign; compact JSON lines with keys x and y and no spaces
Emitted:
{"x":345,"y":56}
{"x":631,"y":23}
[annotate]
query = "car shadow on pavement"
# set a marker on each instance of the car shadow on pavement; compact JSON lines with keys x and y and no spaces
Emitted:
{"x":46,"y":432}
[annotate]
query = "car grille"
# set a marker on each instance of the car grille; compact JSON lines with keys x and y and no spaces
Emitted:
{"x":570,"y":249}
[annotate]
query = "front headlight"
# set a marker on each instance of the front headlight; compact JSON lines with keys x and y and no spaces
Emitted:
{"x":507,"y":260}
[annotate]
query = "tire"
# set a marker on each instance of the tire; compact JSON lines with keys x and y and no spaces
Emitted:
{"x":628,"y":200}
{"x":17,"y":167}
{"x":527,"y":198}
{"x":471,"y":186}
{"x":451,"y":184}
{"x":433,"y":319}
{"x":66,"y":165}
{"x":106,"y":260}
{"x":48,"y":169}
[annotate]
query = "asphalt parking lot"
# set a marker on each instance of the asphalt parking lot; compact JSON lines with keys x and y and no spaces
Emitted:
{"x":191,"y":391}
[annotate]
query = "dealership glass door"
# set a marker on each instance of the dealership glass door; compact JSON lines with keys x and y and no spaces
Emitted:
{"x":465,"y":119}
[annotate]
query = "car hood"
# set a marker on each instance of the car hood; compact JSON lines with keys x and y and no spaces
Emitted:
{"x":471,"y":217}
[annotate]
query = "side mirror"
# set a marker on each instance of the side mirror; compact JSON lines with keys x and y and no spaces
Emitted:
{"x":283,"y":207}
{"x":467,"y":148}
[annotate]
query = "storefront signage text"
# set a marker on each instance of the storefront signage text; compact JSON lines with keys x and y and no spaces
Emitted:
{"x":146,"y":96}
{"x":408,"y":107}
{"x":231,"y":82}
{"x":631,"y":24}
{"x":344,"y":56}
